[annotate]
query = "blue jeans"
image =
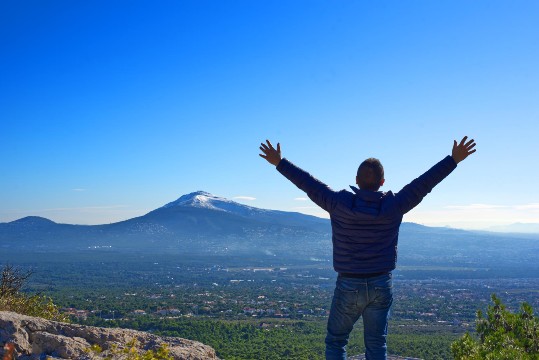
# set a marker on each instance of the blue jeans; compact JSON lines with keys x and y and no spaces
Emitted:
{"x":355,"y":297}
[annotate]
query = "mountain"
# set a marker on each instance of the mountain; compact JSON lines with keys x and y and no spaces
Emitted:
{"x":195,"y":223}
{"x":33,"y":222}
{"x":204,"y":200}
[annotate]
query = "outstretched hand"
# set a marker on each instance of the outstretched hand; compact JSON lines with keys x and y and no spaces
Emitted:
{"x":463,"y":149}
{"x":270,"y":154}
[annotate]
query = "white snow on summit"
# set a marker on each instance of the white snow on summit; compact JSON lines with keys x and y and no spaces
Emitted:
{"x":202,"y":199}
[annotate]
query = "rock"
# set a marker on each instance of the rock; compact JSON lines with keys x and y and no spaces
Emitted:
{"x":35,"y":338}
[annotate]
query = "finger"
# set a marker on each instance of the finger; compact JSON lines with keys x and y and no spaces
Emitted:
{"x":471,"y":146}
{"x":269,"y":144}
{"x":454,"y":144}
{"x":262,"y":145}
{"x":463,"y":141}
{"x":471,"y":152}
{"x":279,"y":148}
{"x":263,"y":156}
{"x":469,"y":142}
{"x":263,"y":149}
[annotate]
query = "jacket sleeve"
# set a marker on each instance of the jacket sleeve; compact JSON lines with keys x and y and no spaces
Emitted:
{"x":412,"y":194}
{"x":316,"y":190}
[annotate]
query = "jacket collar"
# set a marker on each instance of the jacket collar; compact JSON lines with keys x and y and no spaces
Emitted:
{"x":366,"y":194}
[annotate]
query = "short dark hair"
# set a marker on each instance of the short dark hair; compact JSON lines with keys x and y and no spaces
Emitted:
{"x":369,"y":174}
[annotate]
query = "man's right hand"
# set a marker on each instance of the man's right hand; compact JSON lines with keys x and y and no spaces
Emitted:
{"x":463,"y":149}
{"x":270,"y":154}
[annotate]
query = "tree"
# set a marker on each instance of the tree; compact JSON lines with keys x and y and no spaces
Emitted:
{"x":502,"y":335}
{"x":12,"y":280}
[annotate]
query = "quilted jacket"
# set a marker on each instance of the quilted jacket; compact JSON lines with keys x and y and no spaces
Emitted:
{"x":365,"y":224}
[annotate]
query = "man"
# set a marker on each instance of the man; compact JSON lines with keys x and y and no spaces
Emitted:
{"x":365,"y":228}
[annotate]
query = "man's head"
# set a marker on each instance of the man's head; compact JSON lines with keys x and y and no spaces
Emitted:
{"x":370,"y":175}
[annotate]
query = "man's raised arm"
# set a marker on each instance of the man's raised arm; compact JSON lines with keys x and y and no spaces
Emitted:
{"x":412,"y":194}
{"x":316,"y":190}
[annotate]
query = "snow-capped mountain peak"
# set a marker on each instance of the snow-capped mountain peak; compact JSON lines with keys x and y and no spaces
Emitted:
{"x":205,"y":200}
{"x":197,"y":199}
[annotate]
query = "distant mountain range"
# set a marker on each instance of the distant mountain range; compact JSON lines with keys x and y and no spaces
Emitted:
{"x":195,"y":223}
{"x":524,"y":228}
{"x":204,"y":224}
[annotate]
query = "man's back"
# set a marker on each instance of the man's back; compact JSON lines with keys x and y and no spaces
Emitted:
{"x":365,"y":224}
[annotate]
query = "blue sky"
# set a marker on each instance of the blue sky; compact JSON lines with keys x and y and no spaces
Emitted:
{"x":111,"y":109}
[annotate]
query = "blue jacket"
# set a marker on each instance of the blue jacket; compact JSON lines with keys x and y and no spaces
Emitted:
{"x":365,"y":224}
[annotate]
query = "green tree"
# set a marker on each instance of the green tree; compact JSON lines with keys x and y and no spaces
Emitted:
{"x":502,"y":335}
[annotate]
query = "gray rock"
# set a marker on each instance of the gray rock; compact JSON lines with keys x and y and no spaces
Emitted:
{"x":35,"y":338}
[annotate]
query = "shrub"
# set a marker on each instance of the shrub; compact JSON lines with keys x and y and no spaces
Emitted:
{"x":130,"y":352}
{"x":502,"y":335}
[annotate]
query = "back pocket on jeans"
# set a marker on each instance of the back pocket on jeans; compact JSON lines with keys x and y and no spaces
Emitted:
{"x":345,"y":299}
{"x":384,"y":295}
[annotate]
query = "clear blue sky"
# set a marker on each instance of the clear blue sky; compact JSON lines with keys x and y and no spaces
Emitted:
{"x":110,"y":109}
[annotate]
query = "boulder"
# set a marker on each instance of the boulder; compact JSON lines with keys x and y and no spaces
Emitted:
{"x":36,"y":338}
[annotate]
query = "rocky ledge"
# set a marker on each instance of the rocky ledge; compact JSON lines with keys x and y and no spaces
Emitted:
{"x":35,"y":338}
